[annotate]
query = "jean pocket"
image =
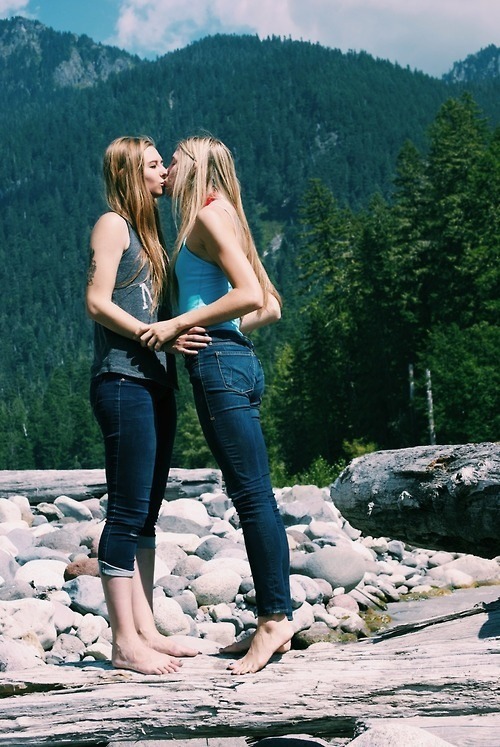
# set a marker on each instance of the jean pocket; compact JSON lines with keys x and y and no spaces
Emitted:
{"x":237,"y":370}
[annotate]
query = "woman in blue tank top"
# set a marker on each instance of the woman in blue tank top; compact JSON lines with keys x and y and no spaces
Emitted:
{"x":132,"y":395}
{"x":220,"y":283}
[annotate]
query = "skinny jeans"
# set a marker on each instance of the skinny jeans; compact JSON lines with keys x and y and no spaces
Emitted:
{"x":137,"y":418}
{"x":228,"y":383}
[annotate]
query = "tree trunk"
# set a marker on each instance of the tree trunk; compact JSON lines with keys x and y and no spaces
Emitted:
{"x":328,"y":690}
{"x":47,"y":484}
{"x":442,"y":497}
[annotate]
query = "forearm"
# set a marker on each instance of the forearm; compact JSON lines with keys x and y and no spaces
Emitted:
{"x":116,"y":319}
{"x":269,"y":314}
{"x":233,"y":305}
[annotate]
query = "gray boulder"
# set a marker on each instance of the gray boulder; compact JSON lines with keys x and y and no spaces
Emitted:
{"x":340,"y":566}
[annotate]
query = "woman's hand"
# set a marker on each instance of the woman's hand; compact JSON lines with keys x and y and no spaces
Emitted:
{"x":159,"y":333}
{"x":189,"y":343}
{"x":165,"y":336}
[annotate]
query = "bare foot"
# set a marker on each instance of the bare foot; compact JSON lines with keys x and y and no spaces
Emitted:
{"x":165,"y":645}
{"x":272,"y":636}
{"x":139,"y":658}
{"x":240,"y":647}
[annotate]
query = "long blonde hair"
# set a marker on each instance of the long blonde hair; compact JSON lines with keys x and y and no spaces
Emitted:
{"x":205,"y":165}
{"x":128,"y":195}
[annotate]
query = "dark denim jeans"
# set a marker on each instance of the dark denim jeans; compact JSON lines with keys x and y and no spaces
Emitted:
{"x":228,"y":383}
{"x":137,"y":420}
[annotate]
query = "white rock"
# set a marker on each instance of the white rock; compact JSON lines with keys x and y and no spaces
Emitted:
{"x":20,"y":617}
{"x":24,"y":506}
{"x":64,"y":618}
{"x":303,"y":617}
{"x":422,"y":589}
{"x":9,"y":511}
{"x":216,"y":586}
{"x":161,"y":568}
{"x":8,"y":526}
{"x":169,"y":617}
{"x":42,"y":574}
{"x":87,"y":595}
{"x":297,"y":592}
{"x":90,"y":628}
{"x":321,"y":615}
{"x":440,"y":558}
{"x":187,"y":542}
{"x":9,"y":547}
{"x":398,"y":735}
{"x":482,"y":570}
{"x":451,"y":577}
{"x":41,"y":530}
{"x":16,"y":655}
{"x":224,"y":529}
{"x":67,"y":648}
{"x":50,"y":511}
{"x":75,"y":509}
{"x":222,"y":633}
{"x":60,"y":596}
{"x":351,"y":622}
{"x":379,"y":544}
{"x":100,"y":650}
{"x":313,"y":593}
{"x":238,"y":565}
{"x":187,"y":508}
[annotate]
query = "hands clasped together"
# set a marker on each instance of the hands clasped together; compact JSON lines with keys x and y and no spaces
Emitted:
{"x":165,"y":336}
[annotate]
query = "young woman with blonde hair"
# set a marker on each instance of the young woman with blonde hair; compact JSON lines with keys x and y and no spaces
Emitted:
{"x":132,"y":395}
{"x":219,"y":282}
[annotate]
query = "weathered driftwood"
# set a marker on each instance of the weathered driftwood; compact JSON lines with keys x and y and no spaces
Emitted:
{"x":46,"y":485}
{"x":443,"y":497}
{"x":446,"y":671}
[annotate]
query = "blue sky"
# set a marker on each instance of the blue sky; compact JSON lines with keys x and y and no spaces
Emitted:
{"x":428,"y":35}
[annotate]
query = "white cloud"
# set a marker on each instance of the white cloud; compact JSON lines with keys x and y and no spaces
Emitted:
{"x":424,"y":34}
{"x":12,"y":7}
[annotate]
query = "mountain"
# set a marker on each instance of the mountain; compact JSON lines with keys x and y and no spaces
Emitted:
{"x":291,"y":111}
{"x":36,"y":61}
{"x":484,"y":65}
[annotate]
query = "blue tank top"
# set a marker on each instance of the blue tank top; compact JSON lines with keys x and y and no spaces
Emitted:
{"x":199,"y":284}
{"x":114,"y":353}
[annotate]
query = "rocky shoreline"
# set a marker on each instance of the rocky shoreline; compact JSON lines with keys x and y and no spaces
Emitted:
{"x":52,"y":608}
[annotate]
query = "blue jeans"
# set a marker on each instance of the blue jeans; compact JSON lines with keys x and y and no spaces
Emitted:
{"x":137,"y":419}
{"x":228,"y":383}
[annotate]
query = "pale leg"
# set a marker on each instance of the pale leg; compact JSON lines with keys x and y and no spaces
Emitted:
{"x":142,"y":602}
{"x":129,"y":651}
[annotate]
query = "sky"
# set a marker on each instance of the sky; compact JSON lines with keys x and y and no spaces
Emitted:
{"x":426,"y":35}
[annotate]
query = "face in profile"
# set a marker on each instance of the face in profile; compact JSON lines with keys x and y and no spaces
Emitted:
{"x":154,"y":171}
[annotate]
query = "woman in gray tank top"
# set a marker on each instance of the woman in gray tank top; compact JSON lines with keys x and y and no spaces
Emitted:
{"x":132,"y":395}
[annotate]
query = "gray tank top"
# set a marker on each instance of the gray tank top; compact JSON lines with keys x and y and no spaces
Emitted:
{"x":114,"y":353}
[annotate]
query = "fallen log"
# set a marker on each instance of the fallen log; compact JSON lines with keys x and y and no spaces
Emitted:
{"x":328,"y":690}
{"x":441,"y":497}
{"x":45,"y":485}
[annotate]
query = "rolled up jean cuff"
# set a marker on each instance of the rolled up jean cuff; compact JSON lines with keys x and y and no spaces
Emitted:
{"x":106,"y":569}
{"x":148,"y":542}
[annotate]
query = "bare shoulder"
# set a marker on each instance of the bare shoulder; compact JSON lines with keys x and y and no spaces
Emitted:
{"x":111,"y":227}
{"x":218,"y":215}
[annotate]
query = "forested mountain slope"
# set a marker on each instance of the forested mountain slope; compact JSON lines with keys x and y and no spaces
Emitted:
{"x":290,"y":111}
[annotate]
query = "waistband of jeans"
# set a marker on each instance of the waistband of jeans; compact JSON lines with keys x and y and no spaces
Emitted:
{"x":228,"y":335}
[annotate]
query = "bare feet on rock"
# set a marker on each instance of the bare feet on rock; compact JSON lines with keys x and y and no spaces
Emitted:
{"x":165,"y":645}
{"x":140,"y":658}
{"x":273,"y":636}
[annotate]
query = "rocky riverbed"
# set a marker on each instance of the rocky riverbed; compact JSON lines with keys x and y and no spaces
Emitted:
{"x":52,"y":608}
